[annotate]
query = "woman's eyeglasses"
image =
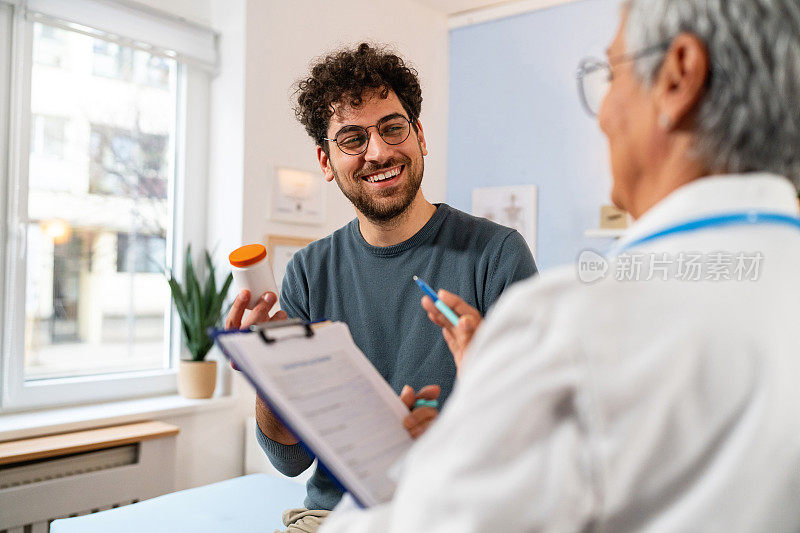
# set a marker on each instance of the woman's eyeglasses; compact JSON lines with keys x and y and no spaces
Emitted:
{"x":595,"y":76}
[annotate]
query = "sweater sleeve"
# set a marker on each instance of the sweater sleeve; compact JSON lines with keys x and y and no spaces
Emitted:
{"x":289,"y":460}
{"x":512,"y":262}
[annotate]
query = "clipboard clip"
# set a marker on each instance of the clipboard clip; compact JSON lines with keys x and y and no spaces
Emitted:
{"x":264,"y":327}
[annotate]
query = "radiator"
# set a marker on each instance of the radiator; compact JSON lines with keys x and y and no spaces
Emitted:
{"x":34,"y":493}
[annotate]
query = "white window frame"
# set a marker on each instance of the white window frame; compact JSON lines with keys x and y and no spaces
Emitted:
{"x":187,"y":212}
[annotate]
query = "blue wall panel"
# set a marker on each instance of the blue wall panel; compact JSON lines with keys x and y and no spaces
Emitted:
{"x":516,"y":118}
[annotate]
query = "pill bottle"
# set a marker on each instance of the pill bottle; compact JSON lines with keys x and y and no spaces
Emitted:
{"x":251,"y":271}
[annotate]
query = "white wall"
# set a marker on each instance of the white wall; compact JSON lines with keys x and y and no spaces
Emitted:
{"x":226,"y":147}
{"x":264,"y":47}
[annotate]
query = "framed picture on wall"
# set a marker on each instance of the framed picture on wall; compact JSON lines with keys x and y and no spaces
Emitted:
{"x":297,"y":196}
{"x":280,"y":250}
{"x":513,"y":206}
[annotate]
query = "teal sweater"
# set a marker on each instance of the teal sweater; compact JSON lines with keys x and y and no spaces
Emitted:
{"x":344,"y":278}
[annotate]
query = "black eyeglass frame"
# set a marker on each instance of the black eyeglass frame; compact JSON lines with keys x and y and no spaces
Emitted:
{"x":590,"y":65}
{"x":377,"y":128}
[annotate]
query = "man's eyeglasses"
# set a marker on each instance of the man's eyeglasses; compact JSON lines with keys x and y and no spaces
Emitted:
{"x":595,"y":75}
{"x":353,"y":140}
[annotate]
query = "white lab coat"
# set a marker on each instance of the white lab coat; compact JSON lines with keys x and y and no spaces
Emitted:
{"x":626,"y":405}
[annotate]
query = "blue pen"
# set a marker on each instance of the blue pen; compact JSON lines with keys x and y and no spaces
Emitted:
{"x":440,"y":305}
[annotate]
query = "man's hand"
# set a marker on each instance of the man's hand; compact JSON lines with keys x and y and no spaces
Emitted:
{"x":457,"y":338}
{"x":417,"y":422}
{"x":260,"y":313}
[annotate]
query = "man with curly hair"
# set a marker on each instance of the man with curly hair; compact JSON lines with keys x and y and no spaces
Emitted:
{"x":361,"y":107}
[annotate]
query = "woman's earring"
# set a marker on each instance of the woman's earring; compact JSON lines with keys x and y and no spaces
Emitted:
{"x":664,"y":122}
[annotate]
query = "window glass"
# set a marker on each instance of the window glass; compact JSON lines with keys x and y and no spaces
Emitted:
{"x":101,"y":169}
{"x":51,"y":50}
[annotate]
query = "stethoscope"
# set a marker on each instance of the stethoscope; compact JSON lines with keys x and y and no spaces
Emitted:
{"x":743,"y":218}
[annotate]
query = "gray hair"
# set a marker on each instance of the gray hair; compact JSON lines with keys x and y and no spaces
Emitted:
{"x":749,"y":118}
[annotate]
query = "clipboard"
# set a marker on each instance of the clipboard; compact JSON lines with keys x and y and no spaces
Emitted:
{"x":327,"y":393}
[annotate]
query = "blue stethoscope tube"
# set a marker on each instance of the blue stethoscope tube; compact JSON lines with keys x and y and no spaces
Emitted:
{"x":750,"y":218}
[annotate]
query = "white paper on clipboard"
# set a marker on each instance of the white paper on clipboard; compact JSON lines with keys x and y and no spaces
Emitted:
{"x":332,"y":398}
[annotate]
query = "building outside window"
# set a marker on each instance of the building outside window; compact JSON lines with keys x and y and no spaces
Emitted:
{"x":111,"y":60}
{"x":140,"y":253}
{"x":98,"y":212}
{"x":48,"y":136}
{"x":128,"y":162}
{"x":51,"y":50}
{"x":158,"y":70}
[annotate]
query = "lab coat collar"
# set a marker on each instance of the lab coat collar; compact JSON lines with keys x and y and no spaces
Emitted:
{"x":714,"y":195}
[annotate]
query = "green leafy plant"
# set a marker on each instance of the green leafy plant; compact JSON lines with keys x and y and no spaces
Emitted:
{"x":199,"y":304}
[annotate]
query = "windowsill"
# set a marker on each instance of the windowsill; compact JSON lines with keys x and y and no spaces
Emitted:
{"x":36,"y":423}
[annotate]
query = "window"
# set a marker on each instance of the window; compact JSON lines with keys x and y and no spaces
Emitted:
{"x":157,"y":71}
{"x":94,"y":192}
{"x":48,"y":136}
{"x":52,"y":49}
{"x":129,"y":162}
{"x":140,"y":253}
{"x":112,"y":60}
{"x":125,"y":131}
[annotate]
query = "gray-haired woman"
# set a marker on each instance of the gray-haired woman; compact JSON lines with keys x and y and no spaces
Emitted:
{"x":663,"y":395}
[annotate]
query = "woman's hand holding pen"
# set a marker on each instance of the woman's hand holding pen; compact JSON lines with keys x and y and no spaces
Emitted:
{"x":457,"y":338}
{"x":420,"y":418}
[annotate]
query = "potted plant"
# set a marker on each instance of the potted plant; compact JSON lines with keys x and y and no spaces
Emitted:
{"x":199,"y":306}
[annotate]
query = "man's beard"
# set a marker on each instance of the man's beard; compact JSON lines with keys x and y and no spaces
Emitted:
{"x":378,"y":211}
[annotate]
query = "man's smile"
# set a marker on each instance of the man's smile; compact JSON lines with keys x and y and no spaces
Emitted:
{"x":384,"y":176}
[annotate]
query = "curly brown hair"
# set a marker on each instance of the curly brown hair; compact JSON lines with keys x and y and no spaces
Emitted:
{"x":343,"y":76}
